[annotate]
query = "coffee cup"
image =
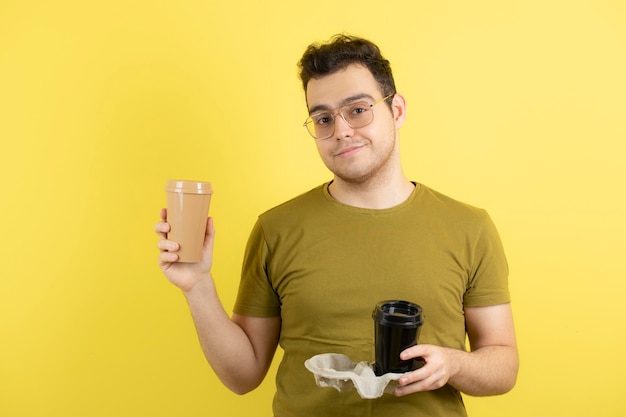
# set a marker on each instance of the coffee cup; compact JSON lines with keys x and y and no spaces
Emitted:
{"x":397,"y":326}
{"x":187,"y":211}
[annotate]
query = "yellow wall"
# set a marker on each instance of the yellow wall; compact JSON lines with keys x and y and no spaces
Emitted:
{"x":515,"y":106}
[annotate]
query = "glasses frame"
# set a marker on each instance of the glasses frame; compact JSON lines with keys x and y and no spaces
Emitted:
{"x":339,"y":112}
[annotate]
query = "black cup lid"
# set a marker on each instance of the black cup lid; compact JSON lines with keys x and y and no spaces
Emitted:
{"x":398,"y":313}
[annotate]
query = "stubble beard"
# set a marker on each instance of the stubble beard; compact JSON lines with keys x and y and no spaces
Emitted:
{"x":363,"y":174}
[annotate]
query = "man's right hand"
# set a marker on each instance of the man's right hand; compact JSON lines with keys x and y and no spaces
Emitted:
{"x":182,"y":274}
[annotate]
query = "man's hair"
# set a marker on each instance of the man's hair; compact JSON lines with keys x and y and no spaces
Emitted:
{"x":339,"y":52}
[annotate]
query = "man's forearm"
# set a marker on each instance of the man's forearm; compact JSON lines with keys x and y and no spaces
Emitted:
{"x":490,"y":370}
{"x":226,"y":346}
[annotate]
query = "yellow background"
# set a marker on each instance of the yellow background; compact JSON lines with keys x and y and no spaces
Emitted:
{"x":515,"y":106}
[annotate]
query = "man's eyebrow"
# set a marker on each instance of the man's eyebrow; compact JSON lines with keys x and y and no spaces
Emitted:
{"x":356,"y":97}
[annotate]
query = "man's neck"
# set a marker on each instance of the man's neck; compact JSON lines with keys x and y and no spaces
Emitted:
{"x":380,"y":195}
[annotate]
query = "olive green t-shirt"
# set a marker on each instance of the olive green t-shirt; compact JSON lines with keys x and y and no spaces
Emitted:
{"x":322,"y":266}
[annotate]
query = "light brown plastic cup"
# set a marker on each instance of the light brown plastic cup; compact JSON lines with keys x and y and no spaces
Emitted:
{"x":187,"y":211}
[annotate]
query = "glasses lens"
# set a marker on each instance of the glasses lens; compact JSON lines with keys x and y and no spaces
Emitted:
{"x":358,"y":114}
{"x":320,"y":125}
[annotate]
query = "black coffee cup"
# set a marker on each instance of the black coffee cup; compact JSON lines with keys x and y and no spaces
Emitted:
{"x":397,"y":326}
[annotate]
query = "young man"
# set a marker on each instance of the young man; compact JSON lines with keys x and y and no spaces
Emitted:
{"x":316,"y":266}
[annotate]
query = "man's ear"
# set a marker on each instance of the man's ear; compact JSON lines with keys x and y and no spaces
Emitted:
{"x":398,"y":106}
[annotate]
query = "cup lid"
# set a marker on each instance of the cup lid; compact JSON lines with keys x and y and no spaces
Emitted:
{"x":189,"y":187}
{"x":398,"y":313}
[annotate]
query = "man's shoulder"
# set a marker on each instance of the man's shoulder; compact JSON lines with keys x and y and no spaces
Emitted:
{"x":304,"y":201}
{"x":444,"y":204}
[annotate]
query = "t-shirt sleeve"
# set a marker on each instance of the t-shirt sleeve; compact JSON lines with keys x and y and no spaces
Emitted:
{"x":488,"y":278}
{"x":256,"y":297}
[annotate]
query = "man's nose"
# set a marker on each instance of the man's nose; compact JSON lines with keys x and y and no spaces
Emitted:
{"x":342,"y":128}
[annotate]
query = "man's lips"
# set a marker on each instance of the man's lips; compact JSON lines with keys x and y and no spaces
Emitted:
{"x":349,"y":151}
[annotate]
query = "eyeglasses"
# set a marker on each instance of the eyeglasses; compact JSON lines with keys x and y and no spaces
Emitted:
{"x":357,"y":114}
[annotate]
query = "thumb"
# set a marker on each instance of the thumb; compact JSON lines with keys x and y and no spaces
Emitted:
{"x":209,"y":235}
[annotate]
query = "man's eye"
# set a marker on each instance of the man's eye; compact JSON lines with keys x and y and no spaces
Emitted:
{"x":321,"y":119}
{"x":359,"y":108}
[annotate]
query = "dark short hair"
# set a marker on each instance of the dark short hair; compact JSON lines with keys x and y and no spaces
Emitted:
{"x":321,"y":59}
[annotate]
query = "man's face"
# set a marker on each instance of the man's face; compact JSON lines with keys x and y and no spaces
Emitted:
{"x":363,"y":154}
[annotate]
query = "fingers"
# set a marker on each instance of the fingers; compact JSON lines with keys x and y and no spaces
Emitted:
{"x":167,"y":247}
{"x":162,"y":228}
{"x":167,"y":258}
{"x":414,"y":351}
{"x":428,"y":383}
{"x":432,"y":375}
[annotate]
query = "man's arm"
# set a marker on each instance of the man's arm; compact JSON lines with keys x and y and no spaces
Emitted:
{"x":490,"y":368}
{"x":240,"y":350}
